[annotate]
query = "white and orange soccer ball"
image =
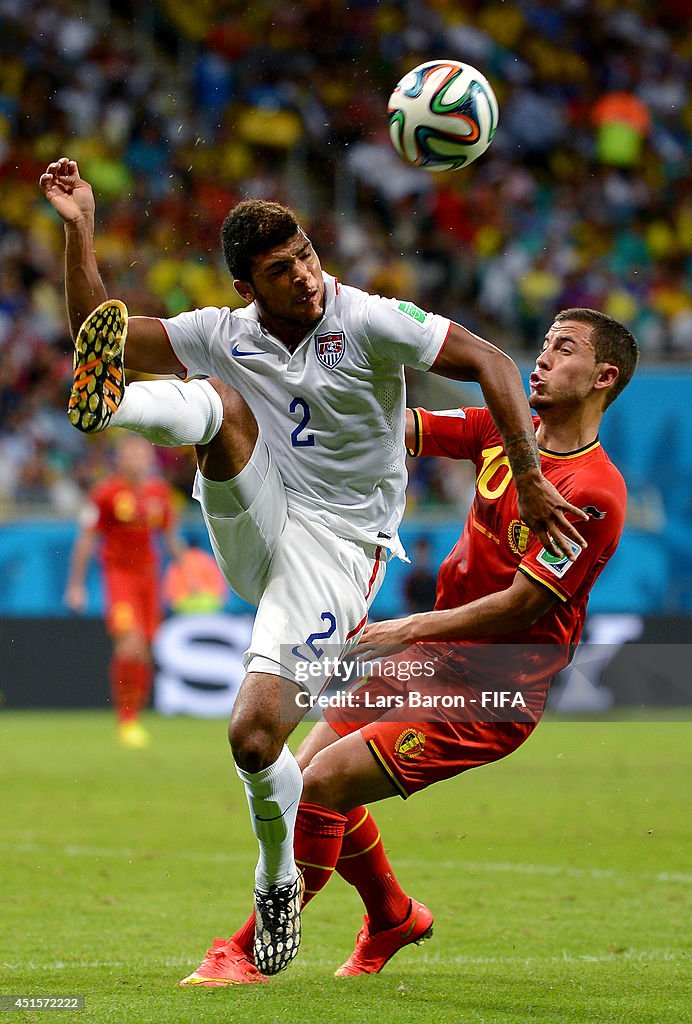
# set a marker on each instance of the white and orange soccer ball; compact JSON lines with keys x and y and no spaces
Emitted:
{"x":442,"y":115}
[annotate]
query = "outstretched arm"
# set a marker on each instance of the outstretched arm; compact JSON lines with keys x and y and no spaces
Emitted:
{"x":148,"y":349}
{"x":509,"y":610}
{"x":465,"y":356}
{"x":72,"y":198}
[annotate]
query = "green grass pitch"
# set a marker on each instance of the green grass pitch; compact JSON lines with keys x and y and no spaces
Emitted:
{"x":557,"y":878}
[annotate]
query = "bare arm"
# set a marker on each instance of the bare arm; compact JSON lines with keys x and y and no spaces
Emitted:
{"x":410,"y":430}
{"x":175,"y":545}
{"x":465,"y":356}
{"x":516,"y":608}
{"x":75,"y":591}
{"x":148,"y":349}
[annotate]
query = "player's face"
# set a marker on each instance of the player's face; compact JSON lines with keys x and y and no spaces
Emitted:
{"x":135,"y":458}
{"x":287,"y":283}
{"x":566,"y":369}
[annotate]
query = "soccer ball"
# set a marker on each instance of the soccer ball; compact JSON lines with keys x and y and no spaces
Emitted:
{"x":442,"y":115}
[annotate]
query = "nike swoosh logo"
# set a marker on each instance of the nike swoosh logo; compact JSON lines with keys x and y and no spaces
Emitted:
{"x":409,"y":931}
{"x":277,"y":816}
{"x":237,"y":351}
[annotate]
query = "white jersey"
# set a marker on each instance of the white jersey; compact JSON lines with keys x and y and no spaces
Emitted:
{"x":333,"y":411}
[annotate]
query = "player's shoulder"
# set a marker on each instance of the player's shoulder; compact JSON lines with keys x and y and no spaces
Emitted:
{"x":105,"y":488}
{"x":597,"y":465}
{"x":158,"y":486}
{"x":598,"y":485}
{"x":348,"y":300}
{"x":343,"y":300}
{"x":482,"y":417}
{"x":480,"y":422}
{"x":463,"y":432}
{"x":203,"y":316}
{"x":103,"y":494}
{"x":213,"y":318}
{"x":461,"y":414}
{"x":215,"y":321}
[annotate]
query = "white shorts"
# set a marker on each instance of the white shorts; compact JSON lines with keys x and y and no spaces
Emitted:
{"x":312,"y":588}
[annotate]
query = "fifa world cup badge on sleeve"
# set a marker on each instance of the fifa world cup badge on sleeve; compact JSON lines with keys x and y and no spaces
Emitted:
{"x":558,"y":564}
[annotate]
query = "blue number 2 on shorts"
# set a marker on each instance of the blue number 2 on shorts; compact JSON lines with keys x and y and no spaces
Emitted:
{"x":330,"y":620}
{"x":300,"y":405}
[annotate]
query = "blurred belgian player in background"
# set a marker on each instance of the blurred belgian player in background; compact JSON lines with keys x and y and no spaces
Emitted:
{"x":123,"y":515}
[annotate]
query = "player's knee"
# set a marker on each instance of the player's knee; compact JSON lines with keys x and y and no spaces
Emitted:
{"x":254,"y":744}
{"x":231,"y":447}
{"x":324,"y":786}
{"x":237,"y":414}
{"x":132,"y":645}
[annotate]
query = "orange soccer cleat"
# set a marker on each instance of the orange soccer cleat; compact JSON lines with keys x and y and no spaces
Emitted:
{"x":373,"y":950}
{"x":224,"y":964}
{"x":98,"y":382}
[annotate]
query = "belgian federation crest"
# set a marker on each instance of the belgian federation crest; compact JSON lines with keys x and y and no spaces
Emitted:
{"x":330,"y":348}
{"x":518,"y":535}
{"x":410,"y":744}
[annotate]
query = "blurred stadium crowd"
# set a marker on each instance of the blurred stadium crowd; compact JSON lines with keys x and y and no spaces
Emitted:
{"x":174,"y":111}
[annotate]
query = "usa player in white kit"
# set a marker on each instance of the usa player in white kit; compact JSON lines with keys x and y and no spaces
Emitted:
{"x":299,"y":433}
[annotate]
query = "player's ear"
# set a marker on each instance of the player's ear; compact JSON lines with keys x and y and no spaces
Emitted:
{"x":606,"y":376}
{"x":245,"y":290}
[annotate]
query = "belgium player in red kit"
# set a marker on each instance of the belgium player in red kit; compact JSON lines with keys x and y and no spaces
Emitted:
{"x":125,"y":512}
{"x":507,"y":617}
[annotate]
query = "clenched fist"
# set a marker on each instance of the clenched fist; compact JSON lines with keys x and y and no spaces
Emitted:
{"x":67,"y":192}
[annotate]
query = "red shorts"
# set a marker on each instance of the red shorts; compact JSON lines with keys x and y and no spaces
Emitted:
{"x":418,"y":754}
{"x":132,"y":602}
{"x":416,"y":746}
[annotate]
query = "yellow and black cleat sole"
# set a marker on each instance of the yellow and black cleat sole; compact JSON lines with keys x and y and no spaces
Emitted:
{"x":98,"y":382}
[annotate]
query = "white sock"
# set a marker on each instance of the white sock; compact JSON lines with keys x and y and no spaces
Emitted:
{"x":170,"y":412}
{"x":273,"y":796}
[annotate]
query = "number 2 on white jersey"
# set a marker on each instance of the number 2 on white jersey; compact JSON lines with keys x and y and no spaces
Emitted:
{"x":308,"y":440}
{"x":330,"y":620}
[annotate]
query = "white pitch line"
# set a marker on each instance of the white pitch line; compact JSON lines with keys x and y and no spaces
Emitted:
{"x":555,"y":870}
{"x":74,"y":850}
{"x":426,"y":960}
{"x":636,"y":955}
{"x":62,"y":965}
{"x":493,"y":867}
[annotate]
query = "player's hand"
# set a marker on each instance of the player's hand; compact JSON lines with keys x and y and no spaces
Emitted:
{"x":380,"y":639}
{"x":76,"y":597}
{"x":545,"y":511}
{"x":66,"y":191}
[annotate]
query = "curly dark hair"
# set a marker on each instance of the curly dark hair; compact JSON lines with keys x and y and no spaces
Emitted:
{"x":250,"y":229}
{"x":613,"y":344}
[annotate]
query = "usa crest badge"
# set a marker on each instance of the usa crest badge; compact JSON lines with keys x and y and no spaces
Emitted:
{"x":330,"y":349}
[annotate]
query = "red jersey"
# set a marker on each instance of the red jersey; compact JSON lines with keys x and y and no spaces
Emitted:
{"x":495,"y":543}
{"x":127,"y":517}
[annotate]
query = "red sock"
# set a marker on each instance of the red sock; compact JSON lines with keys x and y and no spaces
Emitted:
{"x":318,"y":836}
{"x":130,"y":686}
{"x":364,"y":864}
